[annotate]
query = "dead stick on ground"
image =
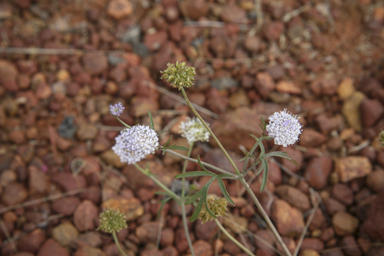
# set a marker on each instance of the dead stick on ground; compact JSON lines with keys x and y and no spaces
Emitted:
{"x":8,"y":236}
{"x":316,"y":205}
{"x":40,"y":200}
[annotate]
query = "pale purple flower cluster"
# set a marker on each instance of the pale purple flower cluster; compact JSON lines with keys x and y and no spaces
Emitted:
{"x":134,"y":144}
{"x":117,"y":109}
{"x":194,"y":130}
{"x":284,"y":128}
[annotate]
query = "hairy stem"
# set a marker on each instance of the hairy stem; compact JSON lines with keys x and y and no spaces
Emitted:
{"x":232,"y":238}
{"x":209,"y":130}
{"x":265,"y":216}
{"x":183,"y":213}
{"x":118,"y":244}
{"x":203,"y":163}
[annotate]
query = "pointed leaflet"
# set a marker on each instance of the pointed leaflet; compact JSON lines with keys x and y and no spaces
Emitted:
{"x":203,"y":198}
{"x":151,"y":120}
{"x":224,"y":190}
{"x":177,"y":147}
{"x":163,"y":202}
{"x":264,"y":165}
{"x":193,"y":174}
{"x":282,"y":154}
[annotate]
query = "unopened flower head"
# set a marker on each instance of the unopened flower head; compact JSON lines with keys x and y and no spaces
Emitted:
{"x":112,"y":221}
{"x":179,"y":75}
{"x":284,"y":128}
{"x":116,"y":110}
{"x":218,"y":206}
{"x":194,"y":130}
{"x":134,"y":144}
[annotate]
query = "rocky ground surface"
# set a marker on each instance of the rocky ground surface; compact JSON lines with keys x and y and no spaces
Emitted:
{"x":322,"y":60}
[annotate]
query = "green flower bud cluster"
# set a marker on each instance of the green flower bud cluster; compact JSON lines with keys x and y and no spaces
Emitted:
{"x":179,"y":75}
{"x":112,"y":221}
{"x":218,"y":206}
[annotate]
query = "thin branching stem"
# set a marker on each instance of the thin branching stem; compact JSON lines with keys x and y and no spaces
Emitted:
{"x":183,"y":213}
{"x":209,"y":130}
{"x":265,"y":216}
{"x":232,"y":238}
{"x":203,"y":163}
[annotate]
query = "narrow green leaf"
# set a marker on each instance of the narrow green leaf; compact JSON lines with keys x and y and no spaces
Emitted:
{"x":166,"y":143}
{"x":177,"y":147}
{"x":265,"y":174}
{"x":151,"y":120}
{"x":282,"y":154}
{"x":163,"y":202}
{"x":203,"y":167}
{"x":192,"y":174}
{"x":164,"y":193}
{"x":161,"y":132}
{"x":197,"y":210}
{"x":194,"y":197}
{"x":250,"y":168}
{"x":224,"y":191}
{"x":262,"y":120}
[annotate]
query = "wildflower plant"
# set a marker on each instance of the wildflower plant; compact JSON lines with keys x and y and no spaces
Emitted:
{"x":137,"y":142}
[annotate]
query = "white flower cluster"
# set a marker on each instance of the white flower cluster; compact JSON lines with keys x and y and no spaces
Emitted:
{"x":284,"y":128}
{"x":134,"y":144}
{"x":193,"y":130}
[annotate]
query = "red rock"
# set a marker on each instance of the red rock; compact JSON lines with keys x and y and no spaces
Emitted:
{"x":333,"y":206}
{"x":68,"y":181}
{"x":17,"y":137}
{"x":86,"y":131}
{"x":311,"y":138}
{"x":8,"y":74}
{"x":319,"y":221}
{"x":288,"y":87}
{"x":66,"y":205}
{"x":350,"y":247}
{"x":32,"y":241}
{"x":264,"y":84}
{"x":85,"y":216}
{"x":181,"y":240}
{"x":324,"y":86}
{"x":327,"y":234}
{"x":327,"y":124}
{"x":88,"y":250}
{"x":373,"y":224}
{"x":95,"y":62}
{"x":156,"y":40}
{"x":352,"y":167}
{"x":317,"y":171}
{"x":273,"y":29}
{"x":342,"y":193}
{"x":14,"y":193}
{"x":295,"y":154}
{"x":167,"y":237}
{"x":233,"y":14}
{"x":371,"y":111}
{"x":252,"y":43}
{"x":206,"y":231}
{"x":274,"y":173}
{"x":132,"y":208}
{"x":312,"y":244}
{"x":375,"y":180}
{"x":195,"y":9}
{"x":294,"y":197}
{"x":43,"y":91}
{"x":140,"y":106}
{"x":344,"y":223}
{"x":147,"y":232}
{"x":202,"y":248}
{"x":37,"y":180}
{"x":268,"y":237}
{"x":119,"y":9}
{"x":288,"y":220}
{"x":217,"y":102}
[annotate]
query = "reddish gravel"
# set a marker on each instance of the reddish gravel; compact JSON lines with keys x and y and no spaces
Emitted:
{"x":63,"y":62}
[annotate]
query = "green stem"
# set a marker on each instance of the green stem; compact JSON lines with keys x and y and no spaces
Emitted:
{"x":122,"y":122}
{"x":265,"y":216}
{"x":118,"y":244}
{"x":176,"y":197}
{"x":183,"y":213}
{"x":209,"y":130}
{"x":232,"y":238}
{"x":203,"y":163}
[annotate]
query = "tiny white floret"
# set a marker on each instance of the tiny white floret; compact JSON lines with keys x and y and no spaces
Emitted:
{"x":136,"y":143}
{"x":193,"y":130}
{"x":284,"y":127}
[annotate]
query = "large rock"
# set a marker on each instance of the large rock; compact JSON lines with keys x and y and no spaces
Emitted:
{"x":317,"y":171}
{"x":8,"y":75}
{"x":371,"y":111}
{"x":344,"y":223}
{"x":373,"y":224}
{"x":294,"y":197}
{"x":85,"y":216}
{"x":351,"y":110}
{"x":14,"y":193}
{"x":65,"y":233}
{"x":234,"y":128}
{"x":132,"y":207}
{"x":50,"y":247}
{"x":352,"y":167}
{"x":288,"y":220}
{"x":311,"y":138}
{"x":147,"y":232}
{"x":32,"y":241}
{"x":119,"y":8}
{"x":95,"y":62}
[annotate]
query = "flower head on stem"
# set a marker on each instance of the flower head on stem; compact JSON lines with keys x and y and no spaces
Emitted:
{"x":179,"y":75}
{"x":284,"y":128}
{"x":194,"y":130}
{"x":112,"y":221}
{"x":136,"y":143}
{"x":218,"y":206}
{"x":116,"y":110}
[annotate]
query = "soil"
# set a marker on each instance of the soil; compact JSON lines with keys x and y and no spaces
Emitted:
{"x":62,"y":63}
